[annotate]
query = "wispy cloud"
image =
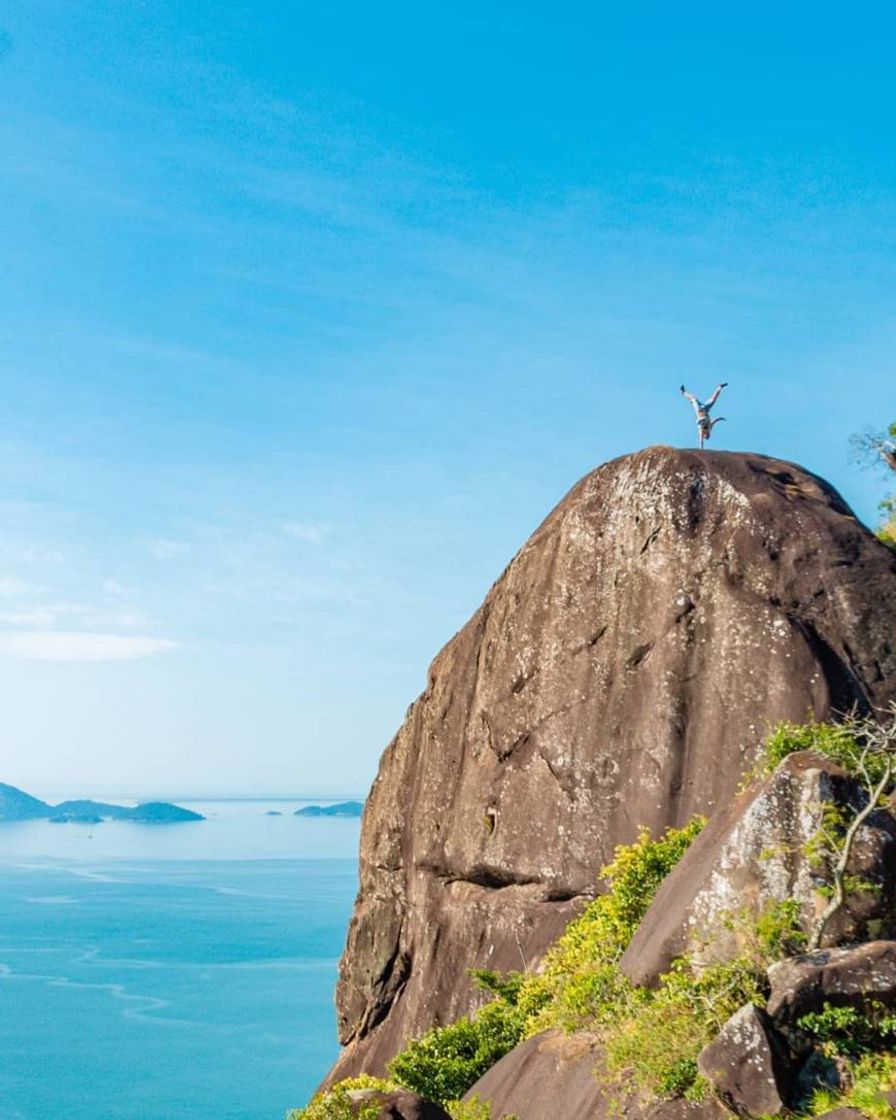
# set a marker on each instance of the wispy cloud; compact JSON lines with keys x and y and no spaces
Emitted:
{"x":315,"y":532}
{"x":163,"y":548}
{"x":11,"y":587}
{"x":80,"y":645}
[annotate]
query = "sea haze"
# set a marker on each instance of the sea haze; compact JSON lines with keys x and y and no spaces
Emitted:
{"x":183,"y":970}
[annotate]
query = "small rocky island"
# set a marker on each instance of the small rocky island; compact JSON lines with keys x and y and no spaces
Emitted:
{"x":16,"y":805}
{"x":341,"y":809}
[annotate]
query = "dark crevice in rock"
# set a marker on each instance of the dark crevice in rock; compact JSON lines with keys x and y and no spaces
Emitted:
{"x":638,"y":655}
{"x":844,"y":687}
{"x":649,"y":541}
{"x":500,"y":879}
{"x":492,"y":879}
{"x":591,"y":642}
{"x":522,"y":680}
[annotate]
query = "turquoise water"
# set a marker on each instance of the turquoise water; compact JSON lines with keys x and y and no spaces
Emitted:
{"x":170,"y":972}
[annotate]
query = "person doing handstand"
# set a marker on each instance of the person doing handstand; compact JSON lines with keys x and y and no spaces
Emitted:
{"x":702,"y":409}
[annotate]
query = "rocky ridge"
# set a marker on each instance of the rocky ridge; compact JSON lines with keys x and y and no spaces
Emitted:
{"x":621,"y":672}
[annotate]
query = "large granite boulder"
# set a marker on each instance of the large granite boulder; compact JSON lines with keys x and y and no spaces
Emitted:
{"x":747,"y":1066}
{"x":753,"y":854}
{"x":553,"y":1075}
{"x":535,"y":1076}
{"x":856,"y":977}
{"x":621,"y":672}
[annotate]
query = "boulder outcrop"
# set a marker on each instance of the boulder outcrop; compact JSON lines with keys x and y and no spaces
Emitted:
{"x":746,"y":1067}
{"x":752,"y":854}
{"x":535,"y":1076}
{"x":621,"y":672}
{"x":856,"y":977}
{"x":553,"y":1074}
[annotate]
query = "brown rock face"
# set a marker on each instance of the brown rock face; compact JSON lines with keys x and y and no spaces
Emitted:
{"x":744,"y":1066}
{"x":855,"y":977}
{"x":553,"y":1075}
{"x":621,"y":672}
{"x":753,"y":854}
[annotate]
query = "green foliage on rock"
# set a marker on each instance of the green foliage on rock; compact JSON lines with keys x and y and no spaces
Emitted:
{"x":847,"y":1033}
{"x":831,"y":740}
{"x":886,"y":529}
{"x":870,"y":1078}
{"x":473,"y":1109}
{"x":337,"y":1104}
{"x":446,"y":1061}
{"x":649,"y":1039}
{"x":579,"y":986}
{"x":653,"y":1046}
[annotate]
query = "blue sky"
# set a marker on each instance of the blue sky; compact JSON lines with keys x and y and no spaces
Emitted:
{"x":310,"y":313}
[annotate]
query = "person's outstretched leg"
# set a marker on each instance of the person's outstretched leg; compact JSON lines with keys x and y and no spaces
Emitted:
{"x":690,"y":397}
{"x":712,"y":400}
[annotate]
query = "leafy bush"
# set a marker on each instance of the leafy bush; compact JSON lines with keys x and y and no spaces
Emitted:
{"x":473,"y":1109}
{"x":778,"y":931}
{"x":886,"y":530}
{"x":845,"y":1032}
{"x":446,"y":1061}
{"x":580,"y":984}
{"x":654,"y":1044}
{"x":831,"y":740}
{"x":840,"y":742}
{"x":336,"y":1104}
{"x":871,"y":1076}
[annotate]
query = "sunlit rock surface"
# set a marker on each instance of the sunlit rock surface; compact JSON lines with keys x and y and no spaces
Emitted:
{"x":621,"y":672}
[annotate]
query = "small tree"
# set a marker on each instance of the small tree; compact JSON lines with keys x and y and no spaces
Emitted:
{"x":868,"y":752}
{"x":873,"y":448}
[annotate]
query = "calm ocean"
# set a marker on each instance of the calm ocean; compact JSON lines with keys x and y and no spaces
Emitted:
{"x":171,"y":972}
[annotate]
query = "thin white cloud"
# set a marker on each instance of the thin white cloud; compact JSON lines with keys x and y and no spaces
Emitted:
{"x":47,"y":616}
{"x":315,"y":532}
{"x":165,"y":549}
{"x":80,"y":645}
{"x":13,"y":587}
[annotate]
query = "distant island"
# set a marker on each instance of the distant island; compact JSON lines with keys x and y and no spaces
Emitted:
{"x":343,"y":809}
{"x":16,"y":805}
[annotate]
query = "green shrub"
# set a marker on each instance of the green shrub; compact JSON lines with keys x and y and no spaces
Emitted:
{"x":580,"y":985}
{"x":838,"y":742}
{"x":871,"y":1076}
{"x":446,"y":1061}
{"x":828,"y":739}
{"x":336,"y":1104}
{"x":473,"y":1109}
{"x":778,"y":931}
{"x":847,"y":1032}
{"x":654,"y":1044}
